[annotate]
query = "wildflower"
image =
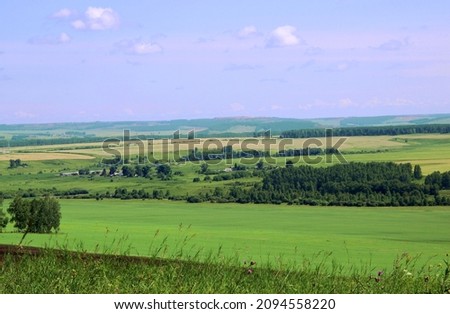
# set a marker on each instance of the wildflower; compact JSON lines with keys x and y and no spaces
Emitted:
{"x":378,"y":279}
{"x":252,"y":263}
{"x":250,"y":271}
{"x":380,"y":273}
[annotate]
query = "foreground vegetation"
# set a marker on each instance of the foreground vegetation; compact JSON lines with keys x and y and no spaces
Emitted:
{"x":66,"y":272}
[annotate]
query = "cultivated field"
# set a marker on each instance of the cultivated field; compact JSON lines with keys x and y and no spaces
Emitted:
{"x":355,"y":237}
{"x":43,"y":156}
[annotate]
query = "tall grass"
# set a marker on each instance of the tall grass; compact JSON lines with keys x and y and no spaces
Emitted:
{"x":182,"y":271}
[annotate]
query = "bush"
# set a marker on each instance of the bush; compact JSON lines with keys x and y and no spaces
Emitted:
{"x":194,"y":199}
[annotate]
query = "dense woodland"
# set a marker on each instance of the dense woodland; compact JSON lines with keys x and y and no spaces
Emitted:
{"x":353,"y":184}
{"x":369,"y":131}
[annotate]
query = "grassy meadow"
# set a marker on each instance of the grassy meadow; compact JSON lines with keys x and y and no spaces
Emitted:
{"x":354,"y":237}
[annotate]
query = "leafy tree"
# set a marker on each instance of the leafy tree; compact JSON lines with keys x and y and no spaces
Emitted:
{"x":164,"y":172}
{"x":20,"y":213}
{"x":127,"y":171}
{"x":146,"y":171}
{"x":3,"y":219}
{"x":434,"y":178}
{"x":16,"y":163}
{"x":35,"y":216}
{"x":417,"y":172}
{"x":446,"y":180}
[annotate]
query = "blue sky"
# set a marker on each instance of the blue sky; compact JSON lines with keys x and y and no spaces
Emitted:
{"x":64,"y":61}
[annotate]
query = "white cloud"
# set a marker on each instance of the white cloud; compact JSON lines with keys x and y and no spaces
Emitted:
{"x":101,"y":18}
{"x":138,"y":47}
{"x":78,"y":24}
{"x":143,"y":48}
{"x":96,"y":18}
{"x":63,"y":13}
{"x":283,"y":36}
{"x":247,"y":31}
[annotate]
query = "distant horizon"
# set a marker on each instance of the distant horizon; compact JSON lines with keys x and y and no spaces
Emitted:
{"x":231,"y":118}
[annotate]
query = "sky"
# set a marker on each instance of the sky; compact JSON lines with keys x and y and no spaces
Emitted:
{"x":88,"y":60}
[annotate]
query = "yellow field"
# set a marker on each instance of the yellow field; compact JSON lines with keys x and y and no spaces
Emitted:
{"x":42,"y":156}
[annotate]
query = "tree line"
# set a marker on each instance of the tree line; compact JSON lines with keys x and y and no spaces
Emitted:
{"x":369,"y":131}
{"x":353,"y":184}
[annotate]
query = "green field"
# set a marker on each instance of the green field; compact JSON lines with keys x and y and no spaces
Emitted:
{"x":355,"y":237}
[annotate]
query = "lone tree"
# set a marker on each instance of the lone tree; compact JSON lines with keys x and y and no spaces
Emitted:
{"x":35,"y":216}
{"x":3,"y":219}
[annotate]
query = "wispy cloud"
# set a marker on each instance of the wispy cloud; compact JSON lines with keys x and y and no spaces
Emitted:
{"x":63,"y":13}
{"x":394,"y":45}
{"x":97,"y":18}
{"x":62,"y":38}
{"x":339,"y":66}
{"x":242,"y":67}
{"x":247,"y":31}
{"x":138,"y":47}
{"x":283,"y":36}
{"x":313,"y":51}
{"x":205,"y":40}
{"x":301,"y":66}
{"x":345,"y":102}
